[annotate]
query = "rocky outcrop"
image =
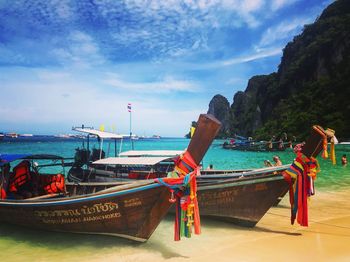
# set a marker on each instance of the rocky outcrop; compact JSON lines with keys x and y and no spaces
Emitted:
{"x":246,"y":115}
{"x":220,"y":108}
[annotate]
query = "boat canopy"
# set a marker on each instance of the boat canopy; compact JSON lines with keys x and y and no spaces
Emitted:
{"x":7,"y":158}
{"x":132,"y":161}
{"x":100,"y":134}
{"x":136,"y":153}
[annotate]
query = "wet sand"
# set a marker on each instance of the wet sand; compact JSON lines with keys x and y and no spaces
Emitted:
{"x":273,"y":239}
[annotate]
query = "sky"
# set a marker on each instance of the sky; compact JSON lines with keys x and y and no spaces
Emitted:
{"x":66,"y":63}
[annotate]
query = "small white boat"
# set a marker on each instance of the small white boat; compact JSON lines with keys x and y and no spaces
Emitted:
{"x":26,"y":135}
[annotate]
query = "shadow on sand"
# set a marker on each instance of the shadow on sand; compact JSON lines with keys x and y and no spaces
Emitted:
{"x":211,"y":223}
{"x":70,"y":241}
{"x":60,"y":239}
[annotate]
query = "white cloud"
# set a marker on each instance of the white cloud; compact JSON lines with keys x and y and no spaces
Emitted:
{"x":252,"y":57}
{"x":239,"y":6}
{"x":155,"y":121}
{"x":245,"y":9}
{"x":235,"y":81}
{"x":278,"y":4}
{"x":62,"y":8}
{"x":251,"y":5}
{"x":49,"y":99}
{"x":47,"y":75}
{"x":168,"y":84}
{"x":283,"y":31}
{"x":82,"y":51}
{"x":256,"y":55}
{"x":145,"y":30}
{"x":165,"y":25}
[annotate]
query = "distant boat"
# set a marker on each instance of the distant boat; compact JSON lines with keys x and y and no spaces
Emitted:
{"x":11,"y":135}
{"x":62,"y":136}
{"x":156,"y":136}
{"x":2,"y":136}
{"x":257,"y":146}
{"x":26,"y":135}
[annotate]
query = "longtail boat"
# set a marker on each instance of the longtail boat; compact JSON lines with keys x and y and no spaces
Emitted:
{"x":129,"y":210}
{"x":239,"y":196}
{"x":242,"y":197}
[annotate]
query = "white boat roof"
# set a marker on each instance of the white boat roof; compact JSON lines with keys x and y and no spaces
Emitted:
{"x":101,"y":134}
{"x":168,"y":153}
{"x":132,"y":161}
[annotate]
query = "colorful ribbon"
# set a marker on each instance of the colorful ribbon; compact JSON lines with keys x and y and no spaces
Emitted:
{"x":183,"y":187}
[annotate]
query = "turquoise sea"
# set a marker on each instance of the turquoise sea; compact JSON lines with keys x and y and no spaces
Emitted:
{"x":17,"y":244}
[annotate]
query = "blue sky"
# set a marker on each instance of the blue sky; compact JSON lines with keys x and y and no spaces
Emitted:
{"x":66,"y":63}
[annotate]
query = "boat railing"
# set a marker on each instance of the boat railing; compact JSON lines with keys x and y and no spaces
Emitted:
{"x":265,"y":170}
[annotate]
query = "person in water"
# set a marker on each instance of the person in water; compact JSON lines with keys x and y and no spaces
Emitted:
{"x":210,"y":167}
{"x":267,"y":163}
{"x":280,"y":144}
{"x":344,"y":161}
{"x":277,"y":161}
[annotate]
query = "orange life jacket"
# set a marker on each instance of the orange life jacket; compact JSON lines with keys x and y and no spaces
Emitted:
{"x":21,"y":175}
{"x":52,"y":183}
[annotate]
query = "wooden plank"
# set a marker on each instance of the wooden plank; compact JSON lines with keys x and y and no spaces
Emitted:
{"x":44,"y":196}
{"x":314,"y":144}
{"x":207,"y":128}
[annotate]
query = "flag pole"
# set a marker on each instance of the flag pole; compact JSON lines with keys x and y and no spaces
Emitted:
{"x":131,"y":141}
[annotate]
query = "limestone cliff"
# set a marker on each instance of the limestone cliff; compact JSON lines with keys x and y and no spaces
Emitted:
{"x":311,"y":86}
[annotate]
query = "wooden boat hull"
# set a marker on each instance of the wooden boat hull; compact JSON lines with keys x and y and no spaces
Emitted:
{"x":238,"y":196}
{"x":132,"y":214}
{"x":132,"y":210}
{"x":243,"y":202}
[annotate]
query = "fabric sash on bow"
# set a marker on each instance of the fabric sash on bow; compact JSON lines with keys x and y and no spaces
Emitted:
{"x":301,"y":175}
{"x":183,"y":187}
{"x":300,"y":188}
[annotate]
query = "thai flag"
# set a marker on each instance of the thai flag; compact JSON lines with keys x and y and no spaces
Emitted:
{"x":129,"y":107}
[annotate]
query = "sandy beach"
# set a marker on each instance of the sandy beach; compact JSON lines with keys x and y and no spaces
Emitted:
{"x":273,"y":239}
